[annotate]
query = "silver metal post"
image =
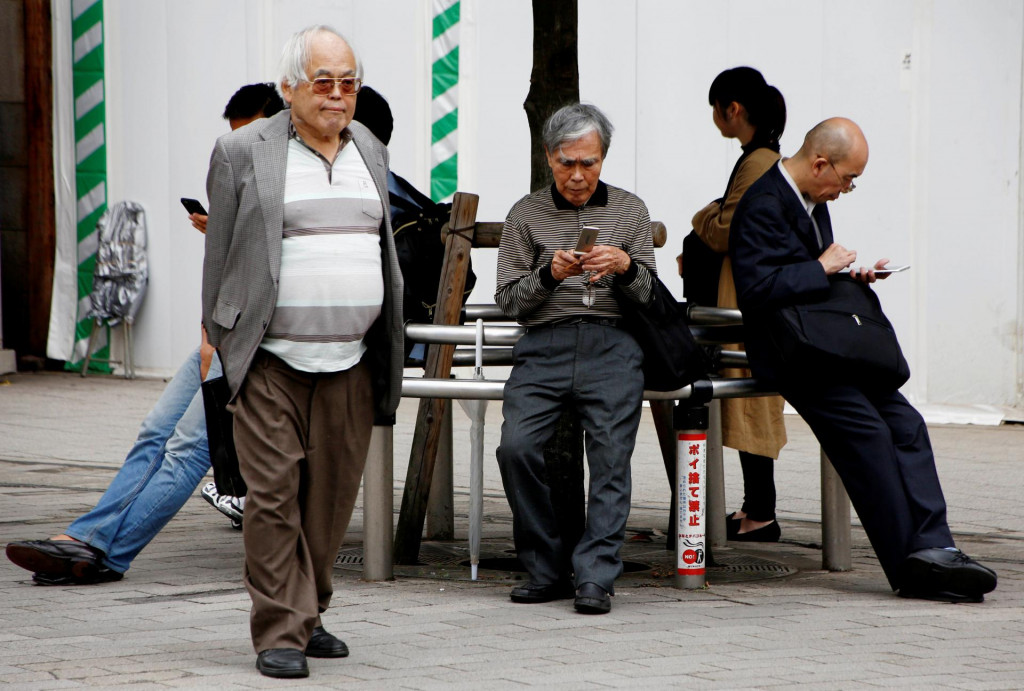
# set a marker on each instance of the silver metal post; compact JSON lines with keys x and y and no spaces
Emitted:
{"x":379,"y":507}
{"x":716,"y":477}
{"x":835,"y":520}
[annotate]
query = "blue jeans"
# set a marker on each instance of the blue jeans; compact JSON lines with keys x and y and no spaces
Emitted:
{"x":166,"y":464}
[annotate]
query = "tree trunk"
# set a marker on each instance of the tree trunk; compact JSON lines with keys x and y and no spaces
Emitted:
{"x":555,"y":80}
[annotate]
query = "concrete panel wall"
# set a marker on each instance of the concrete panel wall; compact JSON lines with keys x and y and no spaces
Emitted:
{"x":936,"y":87}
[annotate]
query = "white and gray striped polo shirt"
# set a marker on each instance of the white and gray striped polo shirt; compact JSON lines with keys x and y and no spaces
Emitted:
{"x":332,"y":286}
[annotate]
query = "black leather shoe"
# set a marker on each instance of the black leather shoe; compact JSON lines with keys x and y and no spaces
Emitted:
{"x":939,"y":596}
{"x":282,"y":663}
{"x":942,"y":571}
{"x":56,"y":557}
{"x":100,"y":575}
{"x":768,"y":533}
{"x":324,"y":644}
{"x":592,"y":599}
{"x":533,"y":593}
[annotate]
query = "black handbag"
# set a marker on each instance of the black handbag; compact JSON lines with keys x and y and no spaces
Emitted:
{"x":702,"y":267}
{"x":672,"y":358}
{"x":221,"y":438}
{"x":845,"y":333}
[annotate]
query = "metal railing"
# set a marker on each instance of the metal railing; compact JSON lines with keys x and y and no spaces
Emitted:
{"x":711,"y":325}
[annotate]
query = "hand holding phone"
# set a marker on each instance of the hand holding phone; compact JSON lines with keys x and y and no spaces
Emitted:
{"x":586,"y":240}
{"x":193,"y":206}
{"x":891,"y":269}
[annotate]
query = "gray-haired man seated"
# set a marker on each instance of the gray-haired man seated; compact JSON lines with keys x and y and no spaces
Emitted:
{"x":574,"y":355}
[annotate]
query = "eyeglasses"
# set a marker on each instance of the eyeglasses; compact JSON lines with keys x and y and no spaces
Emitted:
{"x":325,"y":85}
{"x":845,"y":185}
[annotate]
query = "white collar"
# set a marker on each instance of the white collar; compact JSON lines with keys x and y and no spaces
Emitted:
{"x":807,"y":204}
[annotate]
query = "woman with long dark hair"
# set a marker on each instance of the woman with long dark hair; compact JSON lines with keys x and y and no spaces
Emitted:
{"x":745,"y":107}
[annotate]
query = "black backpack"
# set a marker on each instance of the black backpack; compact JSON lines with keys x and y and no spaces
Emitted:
{"x":417,"y":232}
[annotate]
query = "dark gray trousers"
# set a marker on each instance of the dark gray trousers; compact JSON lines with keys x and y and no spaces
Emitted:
{"x":596,"y":370}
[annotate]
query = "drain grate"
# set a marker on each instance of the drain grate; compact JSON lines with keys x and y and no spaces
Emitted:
{"x":643,"y":564}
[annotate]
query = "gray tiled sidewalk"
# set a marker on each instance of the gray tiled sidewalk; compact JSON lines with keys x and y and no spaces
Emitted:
{"x":179,"y":618}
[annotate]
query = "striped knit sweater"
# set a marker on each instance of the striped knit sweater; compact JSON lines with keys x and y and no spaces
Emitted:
{"x":541,"y":223}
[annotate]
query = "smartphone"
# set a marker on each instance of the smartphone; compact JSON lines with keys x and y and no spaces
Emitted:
{"x":892,"y":269}
{"x":585,"y":243}
{"x":193,"y":206}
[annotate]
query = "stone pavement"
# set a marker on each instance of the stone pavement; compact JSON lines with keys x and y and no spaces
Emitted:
{"x":179,"y":618}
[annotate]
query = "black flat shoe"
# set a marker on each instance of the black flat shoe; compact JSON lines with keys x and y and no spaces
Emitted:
{"x":56,"y":557}
{"x":534,"y":593}
{"x":769,"y":533}
{"x":592,"y":599}
{"x":938,"y":570}
{"x":324,"y":644}
{"x":732,"y":526}
{"x":282,"y":663}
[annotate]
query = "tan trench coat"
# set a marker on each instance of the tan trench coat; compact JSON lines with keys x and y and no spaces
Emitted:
{"x":754,"y":425}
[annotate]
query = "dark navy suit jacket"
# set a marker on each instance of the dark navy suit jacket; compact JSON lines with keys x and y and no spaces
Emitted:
{"x":774,"y":253}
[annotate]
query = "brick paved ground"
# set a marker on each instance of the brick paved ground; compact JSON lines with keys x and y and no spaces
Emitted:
{"x":179,"y":618}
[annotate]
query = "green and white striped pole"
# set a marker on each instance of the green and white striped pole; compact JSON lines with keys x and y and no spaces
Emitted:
{"x":90,"y":166}
{"x":444,"y":110}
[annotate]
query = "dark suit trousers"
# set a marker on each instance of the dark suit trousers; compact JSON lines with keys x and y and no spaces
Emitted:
{"x":879,"y":445}
{"x":596,"y":370}
{"x":302,"y":440}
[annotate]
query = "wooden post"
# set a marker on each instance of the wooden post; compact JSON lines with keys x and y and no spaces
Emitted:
{"x":441,"y":498}
{"x":40,"y":218}
{"x":427,"y":433}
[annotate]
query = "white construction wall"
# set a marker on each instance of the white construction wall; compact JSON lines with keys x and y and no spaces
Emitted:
{"x":936,"y":86}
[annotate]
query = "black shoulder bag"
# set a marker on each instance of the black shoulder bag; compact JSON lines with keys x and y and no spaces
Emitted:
{"x":845,"y":332}
{"x":672,"y":358}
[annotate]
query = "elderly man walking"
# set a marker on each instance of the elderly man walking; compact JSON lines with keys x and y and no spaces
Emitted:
{"x":573,"y":355}
{"x":302,"y":297}
{"x":783,"y":254}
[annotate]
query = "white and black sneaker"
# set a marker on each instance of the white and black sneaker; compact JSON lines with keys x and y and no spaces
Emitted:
{"x":232,"y":507}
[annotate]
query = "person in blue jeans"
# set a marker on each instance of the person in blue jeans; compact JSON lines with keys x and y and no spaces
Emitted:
{"x":164,"y":466}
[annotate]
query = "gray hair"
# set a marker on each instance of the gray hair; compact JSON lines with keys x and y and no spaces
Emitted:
{"x":295,"y":56}
{"x":573,"y":122}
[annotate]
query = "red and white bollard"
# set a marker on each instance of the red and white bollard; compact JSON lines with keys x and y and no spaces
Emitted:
{"x":691,"y":488}
{"x":690,"y":419}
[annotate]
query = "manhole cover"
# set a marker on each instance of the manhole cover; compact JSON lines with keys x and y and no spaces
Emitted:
{"x":647,"y":563}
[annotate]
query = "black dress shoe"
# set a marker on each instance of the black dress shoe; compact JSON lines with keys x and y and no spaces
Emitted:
{"x":100,"y":575}
{"x":56,"y":557}
{"x":533,"y":593}
{"x":282,"y":663}
{"x":936,"y":570}
{"x":939,"y":596}
{"x":592,"y":599}
{"x":324,"y":644}
{"x":767,"y":533}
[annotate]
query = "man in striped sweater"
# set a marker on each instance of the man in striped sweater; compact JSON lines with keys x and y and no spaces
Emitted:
{"x":574,"y":355}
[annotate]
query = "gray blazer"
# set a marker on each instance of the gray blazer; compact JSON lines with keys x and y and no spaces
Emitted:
{"x":242,"y":266}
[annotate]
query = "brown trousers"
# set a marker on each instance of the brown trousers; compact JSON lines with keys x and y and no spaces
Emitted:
{"x":302,"y":440}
